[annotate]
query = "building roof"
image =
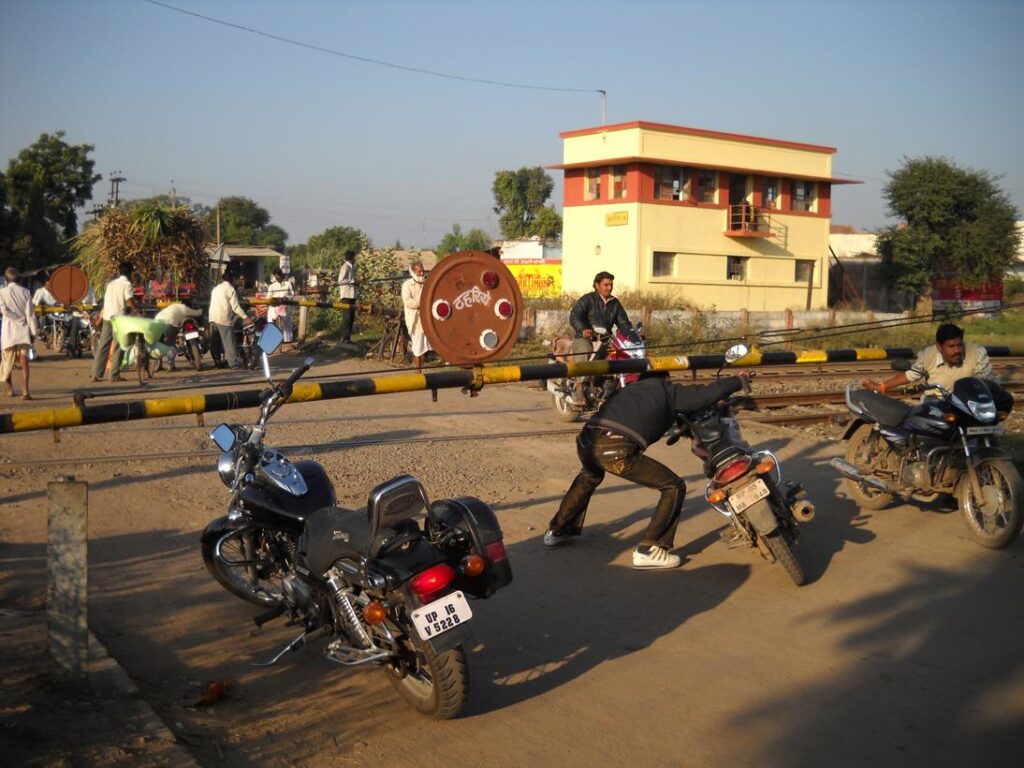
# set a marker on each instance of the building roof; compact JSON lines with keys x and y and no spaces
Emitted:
{"x":697,"y":132}
{"x":689,"y":164}
{"x":243,"y":251}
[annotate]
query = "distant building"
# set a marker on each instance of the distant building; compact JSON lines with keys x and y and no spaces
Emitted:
{"x":536,"y":265}
{"x":249,"y":258}
{"x":714,"y":218}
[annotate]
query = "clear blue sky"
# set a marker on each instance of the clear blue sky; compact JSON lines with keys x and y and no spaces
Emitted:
{"x":321,"y":140}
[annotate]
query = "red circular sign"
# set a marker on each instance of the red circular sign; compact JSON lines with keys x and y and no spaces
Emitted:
{"x":68,"y":284}
{"x":483,"y":308}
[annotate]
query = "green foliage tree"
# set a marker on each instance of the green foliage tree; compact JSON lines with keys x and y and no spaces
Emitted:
{"x":455,"y":241}
{"x":519,"y":198}
{"x":954,"y":220}
{"x":244,"y":222}
{"x":327,"y":250}
{"x":43,"y":187}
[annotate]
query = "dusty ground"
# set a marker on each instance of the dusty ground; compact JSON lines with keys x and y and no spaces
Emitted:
{"x":904,"y":650}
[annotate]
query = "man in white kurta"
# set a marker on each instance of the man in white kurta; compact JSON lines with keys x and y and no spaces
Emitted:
{"x":281,"y":288}
{"x":347,"y":293}
{"x":411,"y":291}
{"x":19,"y":328}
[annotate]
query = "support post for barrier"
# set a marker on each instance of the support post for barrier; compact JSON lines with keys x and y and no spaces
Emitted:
{"x":67,"y":602}
{"x":303,"y":311}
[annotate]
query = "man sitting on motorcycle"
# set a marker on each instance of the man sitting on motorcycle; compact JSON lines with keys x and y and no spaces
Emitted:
{"x":950,"y":360}
{"x":597,"y":309}
{"x":614,"y":440}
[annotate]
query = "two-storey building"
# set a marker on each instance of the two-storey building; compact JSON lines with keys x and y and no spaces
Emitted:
{"x":714,"y":218}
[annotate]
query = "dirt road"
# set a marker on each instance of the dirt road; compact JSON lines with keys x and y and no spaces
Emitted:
{"x":904,"y":650}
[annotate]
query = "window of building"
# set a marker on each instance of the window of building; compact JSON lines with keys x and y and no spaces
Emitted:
{"x":736,"y":268}
{"x":592,"y":184}
{"x":804,"y":270}
{"x":770,"y":192}
{"x":664,"y":264}
{"x":618,"y":182}
{"x":671,"y":182}
{"x":803,"y":195}
{"x":707,"y":183}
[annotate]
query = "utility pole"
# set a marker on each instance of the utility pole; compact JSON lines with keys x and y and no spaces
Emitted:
{"x":218,"y":222}
{"x":604,"y":106}
{"x":174,"y":195}
{"x":115,"y":182}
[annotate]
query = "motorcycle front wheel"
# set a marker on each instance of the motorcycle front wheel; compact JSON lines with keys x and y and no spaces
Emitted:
{"x":995,"y":520}
{"x":251,"y":583}
{"x":783,"y":553}
{"x":435,"y":685}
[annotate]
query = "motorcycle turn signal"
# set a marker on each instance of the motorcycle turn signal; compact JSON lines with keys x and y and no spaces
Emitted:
{"x":473,"y":565}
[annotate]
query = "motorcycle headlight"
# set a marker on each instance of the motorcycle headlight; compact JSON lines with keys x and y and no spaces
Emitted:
{"x":982,"y":411}
{"x":226,"y":468}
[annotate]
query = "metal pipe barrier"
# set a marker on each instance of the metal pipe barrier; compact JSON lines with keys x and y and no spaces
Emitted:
{"x":471,"y":380}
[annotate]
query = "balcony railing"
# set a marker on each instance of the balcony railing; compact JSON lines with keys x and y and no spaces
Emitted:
{"x":748,"y":221}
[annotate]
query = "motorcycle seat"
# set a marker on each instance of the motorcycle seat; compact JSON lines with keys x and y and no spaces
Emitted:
{"x":878,"y":407}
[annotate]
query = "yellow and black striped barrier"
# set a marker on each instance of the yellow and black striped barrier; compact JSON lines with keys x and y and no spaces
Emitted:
{"x":469,"y":379}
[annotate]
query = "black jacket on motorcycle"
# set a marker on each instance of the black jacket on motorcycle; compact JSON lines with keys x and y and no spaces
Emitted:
{"x":645,"y":411}
{"x":591,"y":310}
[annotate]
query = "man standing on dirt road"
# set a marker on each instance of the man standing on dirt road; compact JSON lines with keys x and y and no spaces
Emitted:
{"x":117,"y":298}
{"x":412,"y":289}
{"x":19,"y":328}
{"x":614,"y":440}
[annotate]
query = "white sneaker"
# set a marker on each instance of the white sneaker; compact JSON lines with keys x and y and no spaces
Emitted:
{"x":656,"y":558}
{"x":552,"y":539}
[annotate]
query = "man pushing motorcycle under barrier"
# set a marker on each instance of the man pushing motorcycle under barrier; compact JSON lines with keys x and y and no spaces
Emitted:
{"x":949,"y":360}
{"x":615,"y":439}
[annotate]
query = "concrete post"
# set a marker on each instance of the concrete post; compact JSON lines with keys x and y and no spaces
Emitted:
{"x":68,"y":579}
{"x":303,"y":311}
{"x":744,"y":319}
{"x":645,"y":317}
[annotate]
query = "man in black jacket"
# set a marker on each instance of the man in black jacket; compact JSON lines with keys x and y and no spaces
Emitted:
{"x":614,"y":440}
{"x":595,"y":310}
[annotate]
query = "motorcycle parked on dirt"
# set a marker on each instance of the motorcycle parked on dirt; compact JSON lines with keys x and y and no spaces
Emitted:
{"x":192,"y":341}
{"x":575,"y":396}
{"x":378,"y":586}
{"x":745,"y":485}
{"x":948,"y":444}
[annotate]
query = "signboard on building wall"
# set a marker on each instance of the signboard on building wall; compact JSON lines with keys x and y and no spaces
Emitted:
{"x":538,"y":279}
{"x":949,"y":293}
{"x":616,"y":218}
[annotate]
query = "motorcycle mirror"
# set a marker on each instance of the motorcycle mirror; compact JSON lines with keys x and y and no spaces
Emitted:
{"x":224,"y":437}
{"x":735,"y":353}
{"x":270,"y":339}
{"x":901,"y":365}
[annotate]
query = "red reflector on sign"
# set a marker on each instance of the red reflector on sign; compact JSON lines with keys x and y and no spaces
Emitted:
{"x":503,"y":309}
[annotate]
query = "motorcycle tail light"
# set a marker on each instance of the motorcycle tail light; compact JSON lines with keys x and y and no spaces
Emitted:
{"x":732,"y":470}
{"x":188,"y":326}
{"x":490,"y":280}
{"x":375,"y":613}
{"x":949,"y":418}
{"x":432,"y":580}
{"x":473,"y":565}
{"x":1002,"y":416}
{"x":716,"y":496}
{"x":764,"y":466}
{"x":496,"y":551}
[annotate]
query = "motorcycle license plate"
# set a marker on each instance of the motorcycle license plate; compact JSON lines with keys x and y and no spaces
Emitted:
{"x":192,"y":335}
{"x":438,"y":617}
{"x":748,"y":495}
{"x":993,"y":430}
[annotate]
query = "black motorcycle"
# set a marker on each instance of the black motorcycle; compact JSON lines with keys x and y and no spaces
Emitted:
{"x":948,"y":444}
{"x":386,"y":585}
{"x":193,"y":341}
{"x":745,"y":485}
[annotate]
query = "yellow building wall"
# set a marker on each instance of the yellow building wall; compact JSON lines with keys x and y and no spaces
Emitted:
{"x":596,"y":246}
{"x":702,"y":150}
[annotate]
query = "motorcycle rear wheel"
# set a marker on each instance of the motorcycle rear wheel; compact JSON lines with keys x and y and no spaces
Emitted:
{"x":435,"y":685}
{"x":1001,"y":485}
{"x":859,"y":453}
{"x":196,"y":355}
{"x":783,"y":553}
{"x":235,"y":579}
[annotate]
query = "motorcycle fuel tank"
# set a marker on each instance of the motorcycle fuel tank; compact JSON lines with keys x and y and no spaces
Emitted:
{"x":279,"y":509}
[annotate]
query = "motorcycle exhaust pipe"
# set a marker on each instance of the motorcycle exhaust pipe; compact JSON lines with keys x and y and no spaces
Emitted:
{"x":803,"y":511}
{"x":846,"y":469}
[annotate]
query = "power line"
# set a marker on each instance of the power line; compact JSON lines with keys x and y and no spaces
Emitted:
{"x":367,"y":60}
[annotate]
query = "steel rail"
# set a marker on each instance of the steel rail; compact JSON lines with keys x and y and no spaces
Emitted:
{"x":469,"y":380}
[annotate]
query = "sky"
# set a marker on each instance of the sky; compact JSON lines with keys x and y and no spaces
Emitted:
{"x":322,"y":139}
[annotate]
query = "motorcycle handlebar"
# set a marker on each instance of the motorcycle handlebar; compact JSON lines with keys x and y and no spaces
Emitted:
{"x":286,"y":386}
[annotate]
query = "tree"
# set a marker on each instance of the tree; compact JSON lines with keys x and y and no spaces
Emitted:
{"x":519,"y":198}
{"x":955,"y":220}
{"x":43,"y":188}
{"x":244,"y":222}
{"x":455,"y":241}
{"x":327,"y":250}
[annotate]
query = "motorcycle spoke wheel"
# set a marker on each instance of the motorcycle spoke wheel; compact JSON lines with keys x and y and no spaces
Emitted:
{"x":435,"y":685}
{"x":566,"y":411}
{"x":863,"y":451}
{"x":237,"y":579}
{"x":994,"y":521}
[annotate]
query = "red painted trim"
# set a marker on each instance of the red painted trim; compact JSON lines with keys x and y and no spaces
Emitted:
{"x":756,"y":194}
{"x":682,"y":129}
{"x":572,"y":187}
{"x":691,"y":164}
{"x":808,"y":214}
{"x":824,"y":199}
{"x":785,"y":194}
